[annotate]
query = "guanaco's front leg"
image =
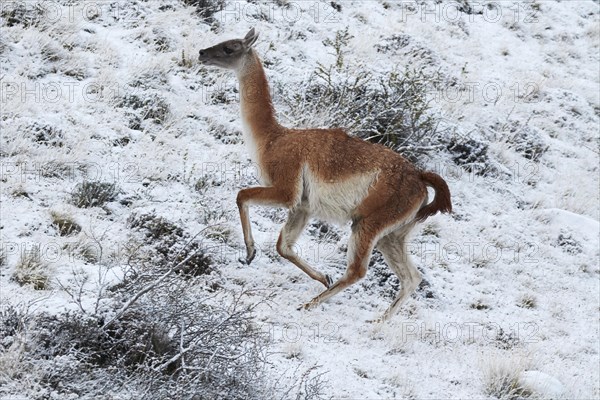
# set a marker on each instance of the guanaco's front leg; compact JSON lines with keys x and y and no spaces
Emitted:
{"x":247,"y":230}
{"x":267,"y":196}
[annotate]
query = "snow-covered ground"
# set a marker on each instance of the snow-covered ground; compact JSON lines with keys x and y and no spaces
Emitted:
{"x":513,"y":273}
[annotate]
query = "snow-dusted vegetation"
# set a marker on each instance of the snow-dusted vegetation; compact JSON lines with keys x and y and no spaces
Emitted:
{"x":121,"y":157}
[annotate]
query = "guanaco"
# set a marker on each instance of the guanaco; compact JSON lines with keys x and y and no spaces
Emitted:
{"x":330,"y":175}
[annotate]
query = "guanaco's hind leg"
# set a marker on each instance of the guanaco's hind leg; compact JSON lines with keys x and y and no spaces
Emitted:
{"x":360,"y":248}
{"x":292,"y":229}
{"x":393,"y":248}
{"x":262,"y":196}
{"x":366,"y":231}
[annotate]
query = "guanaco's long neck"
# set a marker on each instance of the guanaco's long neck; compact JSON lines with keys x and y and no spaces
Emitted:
{"x":257,"y":109}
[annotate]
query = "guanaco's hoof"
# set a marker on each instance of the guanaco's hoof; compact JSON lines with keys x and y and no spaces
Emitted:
{"x":251,"y":257}
{"x":308,"y":306}
{"x":248,"y":259}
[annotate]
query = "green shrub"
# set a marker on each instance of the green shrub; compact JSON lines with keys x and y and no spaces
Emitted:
{"x":470,"y":154}
{"x":206,"y":8}
{"x":568,"y":244}
{"x":393,"y":110}
{"x":523,"y":139}
{"x":168,"y":244}
{"x":151,"y":107}
{"x":93,"y":194}
{"x":45,"y":134}
{"x":25,"y":13}
{"x":527,"y":301}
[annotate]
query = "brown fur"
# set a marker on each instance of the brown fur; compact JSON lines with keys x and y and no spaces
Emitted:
{"x":441,"y":202}
{"x":298,"y":163}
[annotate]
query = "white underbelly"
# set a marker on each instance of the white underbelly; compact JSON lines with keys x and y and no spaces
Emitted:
{"x":336,"y":201}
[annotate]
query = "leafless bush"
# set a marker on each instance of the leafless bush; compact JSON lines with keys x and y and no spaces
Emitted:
{"x":170,"y":345}
{"x":301,"y":384}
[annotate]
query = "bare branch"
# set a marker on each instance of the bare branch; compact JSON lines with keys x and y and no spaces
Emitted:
{"x":148,"y":288}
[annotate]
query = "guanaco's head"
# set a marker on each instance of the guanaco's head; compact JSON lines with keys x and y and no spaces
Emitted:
{"x":229,"y":54}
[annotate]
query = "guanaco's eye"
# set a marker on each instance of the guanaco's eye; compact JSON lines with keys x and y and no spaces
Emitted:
{"x":228,"y":50}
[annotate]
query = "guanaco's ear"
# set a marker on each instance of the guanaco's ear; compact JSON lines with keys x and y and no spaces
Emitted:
{"x":250,"y":38}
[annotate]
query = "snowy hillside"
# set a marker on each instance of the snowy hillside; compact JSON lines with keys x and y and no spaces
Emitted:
{"x":121,"y":158}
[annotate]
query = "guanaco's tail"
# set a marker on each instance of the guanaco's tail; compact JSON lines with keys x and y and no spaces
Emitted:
{"x":441,"y":202}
